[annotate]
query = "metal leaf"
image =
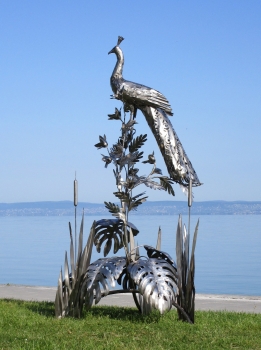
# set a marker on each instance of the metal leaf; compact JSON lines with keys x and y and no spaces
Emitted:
{"x":103,"y":142}
{"x":190,"y":288}
{"x":59,"y":307}
{"x":111,"y":230}
{"x":167,"y":184}
{"x":121,"y":215}
{"x":146,"y":307}
{"x":66,"y":273}
{"x":158,"y":254}
{"x":194,"y":242}
{"x":116,"y":115}
{"x":116,"y":243}
{"x":179,"y":254}
{"x":132,"y":246}
{"x":153,"y":184}
{"x":186,"y":246}
{"x":135,"y":203}
{"x":107,"y":247}
{"x":137,"y":254}
{"x":123,"y":278}
{"x":80,"y":238}
{"x":137,"y":143}
{"x":113,"y":208}
{"x":157,"y":171}
{"x":98,"y":274}
{"x":87,"y":252}
{"x":72,"y":256}
{"x":158,"y":246}
{"x":184,"y":258}
{"x":156,"y":282}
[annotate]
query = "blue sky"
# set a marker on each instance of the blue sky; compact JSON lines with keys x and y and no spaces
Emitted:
{"x":204,"y":56}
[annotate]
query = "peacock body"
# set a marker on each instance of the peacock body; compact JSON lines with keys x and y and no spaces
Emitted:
{"x":156,"y":108}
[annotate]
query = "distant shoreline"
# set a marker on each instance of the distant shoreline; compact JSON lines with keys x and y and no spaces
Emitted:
{"x":64,"y":208}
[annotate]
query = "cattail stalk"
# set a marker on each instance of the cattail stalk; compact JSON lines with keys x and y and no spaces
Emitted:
{"x":75,"y":193}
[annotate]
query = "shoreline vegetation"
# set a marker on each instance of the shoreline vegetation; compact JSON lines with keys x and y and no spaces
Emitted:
{"x":32,"y":325}
{"x":64,"y":208}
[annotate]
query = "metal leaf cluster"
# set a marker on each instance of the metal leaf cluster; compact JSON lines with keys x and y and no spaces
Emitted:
{"x":130,"y":159}
{"x":129,"y":126}
{"x":158,"y":280}
{"x":165,"y":183}
{"x":68,"y":300}
{"x":185,"y":272}
{"x":131,"y":202}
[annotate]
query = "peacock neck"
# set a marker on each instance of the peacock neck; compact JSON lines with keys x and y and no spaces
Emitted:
{"x":117,"y":72}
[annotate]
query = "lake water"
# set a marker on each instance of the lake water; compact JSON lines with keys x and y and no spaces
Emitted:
{"x":228,"y":251}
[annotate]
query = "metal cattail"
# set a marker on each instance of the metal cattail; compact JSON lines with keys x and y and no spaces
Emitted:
{"x":75,"y":202}
{"x":189,"y":203}
{"x":75,"y":186}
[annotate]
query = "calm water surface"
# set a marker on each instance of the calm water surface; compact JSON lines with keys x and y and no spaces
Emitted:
{"x":228,"y":251}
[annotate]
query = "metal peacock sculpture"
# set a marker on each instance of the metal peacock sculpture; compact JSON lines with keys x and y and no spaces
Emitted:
{"x":156,"y":108}
{"x":155,"y":280}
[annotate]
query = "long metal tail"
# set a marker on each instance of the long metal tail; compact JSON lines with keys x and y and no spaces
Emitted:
{"x":177,"y":162}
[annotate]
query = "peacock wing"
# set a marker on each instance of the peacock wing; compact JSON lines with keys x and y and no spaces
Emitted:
{"x":141,"y":95}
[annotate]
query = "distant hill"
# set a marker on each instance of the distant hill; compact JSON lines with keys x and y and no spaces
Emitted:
{"x":148,"y":208}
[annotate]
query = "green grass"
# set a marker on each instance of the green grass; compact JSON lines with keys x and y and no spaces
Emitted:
{"x":32,"y":325}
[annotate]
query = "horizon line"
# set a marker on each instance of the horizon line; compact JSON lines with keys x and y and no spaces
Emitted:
{"x":71,"y":201}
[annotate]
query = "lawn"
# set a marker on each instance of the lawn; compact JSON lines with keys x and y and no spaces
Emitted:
{"x":32,"y":325}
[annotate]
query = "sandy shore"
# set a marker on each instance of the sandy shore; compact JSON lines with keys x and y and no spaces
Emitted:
{"x":212,"y":302}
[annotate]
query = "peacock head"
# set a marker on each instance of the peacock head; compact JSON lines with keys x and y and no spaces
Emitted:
{"x":116,"y":48}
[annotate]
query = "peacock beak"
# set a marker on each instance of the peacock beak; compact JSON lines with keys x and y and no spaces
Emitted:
{"x":112,"y":50}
